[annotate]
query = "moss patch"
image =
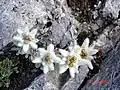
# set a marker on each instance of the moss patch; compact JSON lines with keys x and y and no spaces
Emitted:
{"x":7,"y":67}
{"x":27,"y":71}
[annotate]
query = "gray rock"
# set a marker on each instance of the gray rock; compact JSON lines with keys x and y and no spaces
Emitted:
{"x":109,"y":74}
{"x":112,"y":7}
{"x":73,"y":84}
{"x":108,"y":77}
{"x":109,"y":38}
{"x":17,"y":14}
{"x":38,"y":84}
{"x":36,"y":14}
{"x":45,"y":15}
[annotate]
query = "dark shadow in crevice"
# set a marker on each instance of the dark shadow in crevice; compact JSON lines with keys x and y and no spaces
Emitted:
{"x":98,"y":61}
{"x":62,"y":81}
{"x":26,"y":69}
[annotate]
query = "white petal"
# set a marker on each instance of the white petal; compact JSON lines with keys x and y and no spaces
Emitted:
{"x":19,"y":31}
{"x":50,"y":48}
{"x":77,"y":49}
{"x":72,"y":72}
{"x":64,"y":59}
{"x":20,"y":44}
{"x":33,"y":32}
{"x":89,"y":57}
{"x":75,"y":43}
{"x":85,"y":43}
{"x":70,"y":48}
{"x":42,"y":51}
{"x":85,"y":62}
{"x":63,"y":68}
{"x":92,"y":45}
{"x":37,"y":60}
{"x":92,"y":51}
{"x":57,"y":59}
{"x":45,"y":69}
{"x":35,"y":40}
{"x":63,"y":52}
{"x":25,"y":48}
{"x":17,"y":38}
{"x":76,"y":68}
{"x":43,"y":63}
{"x":72,"y":53}
{"x":51,"y":66}
{"x":26,"y":30}
{"x":62,"y":62}
{"x":33,"y":45}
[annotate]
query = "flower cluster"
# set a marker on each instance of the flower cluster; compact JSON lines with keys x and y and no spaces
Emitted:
{"x":26,"y":39}
{"x":67,"y":59}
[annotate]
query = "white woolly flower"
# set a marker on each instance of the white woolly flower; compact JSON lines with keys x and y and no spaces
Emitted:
{"x":47,"y":58}
{"x":77,"y":51}
{"x":71,"y":59}
{"x":77,"y":56}
{"x":26,"y":39}
{"x":86,"y":53}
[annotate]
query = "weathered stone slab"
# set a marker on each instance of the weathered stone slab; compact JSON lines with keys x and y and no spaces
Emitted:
{"x":45,"y":15}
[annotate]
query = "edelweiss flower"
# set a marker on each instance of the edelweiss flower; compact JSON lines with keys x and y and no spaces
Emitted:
{"x":86,"y":53}
{"x":77,"y":50}
{"x":71,"y":62}
{"x":26,"y":39}
{"x":77,"y":56}
{"x":47,"y":58}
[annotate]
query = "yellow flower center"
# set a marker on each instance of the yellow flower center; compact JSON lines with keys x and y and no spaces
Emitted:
{"x":71,"y":61}
{"x":83,"y":53}
{"x":27,"y":38}
{"x":47,"y":58}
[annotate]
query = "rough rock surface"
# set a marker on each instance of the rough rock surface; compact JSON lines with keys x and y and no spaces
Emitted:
{"x":108,"y":77}
{"x":46,"y":16}
{"x":41,"y":14}
{"x":107,"y":32}
{"x":112,"y":8}
{"x":55,"y":25}
{"x":109,"y":74}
